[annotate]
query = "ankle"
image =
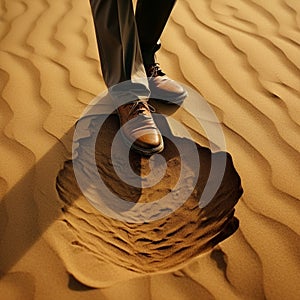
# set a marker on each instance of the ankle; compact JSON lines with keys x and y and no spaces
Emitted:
{"x":153,"y":70}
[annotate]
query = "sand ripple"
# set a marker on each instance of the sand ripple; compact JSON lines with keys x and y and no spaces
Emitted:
{"x":243,"y":57}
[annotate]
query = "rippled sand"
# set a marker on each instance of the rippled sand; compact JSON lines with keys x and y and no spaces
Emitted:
{"x":243,"y":57}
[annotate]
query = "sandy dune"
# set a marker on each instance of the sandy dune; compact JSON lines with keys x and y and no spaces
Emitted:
{"x":243,"y":57}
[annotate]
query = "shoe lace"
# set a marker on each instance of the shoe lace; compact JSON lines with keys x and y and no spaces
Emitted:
{"x":155,"y":70}
{"x":139,"y":107}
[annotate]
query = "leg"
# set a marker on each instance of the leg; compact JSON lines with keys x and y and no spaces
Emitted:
{"x":151,"y":18}
{"x":124,"y":73}
{"x":117,"y":39}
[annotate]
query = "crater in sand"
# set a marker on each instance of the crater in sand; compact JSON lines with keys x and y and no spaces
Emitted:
{"x":163,"y":243}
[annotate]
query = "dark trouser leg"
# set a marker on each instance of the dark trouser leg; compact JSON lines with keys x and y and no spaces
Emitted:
{"x":118,"y":41}
{"x":151,"y":18}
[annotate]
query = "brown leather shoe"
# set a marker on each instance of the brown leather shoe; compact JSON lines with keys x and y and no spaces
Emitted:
{"x":138,"y":127}
{"x":162,"y":87}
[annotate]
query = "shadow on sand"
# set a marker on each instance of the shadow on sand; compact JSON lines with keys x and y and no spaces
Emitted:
{"x":148,"y":247}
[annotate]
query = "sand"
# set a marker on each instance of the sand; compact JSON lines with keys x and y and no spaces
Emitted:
{"x":243,"y":58}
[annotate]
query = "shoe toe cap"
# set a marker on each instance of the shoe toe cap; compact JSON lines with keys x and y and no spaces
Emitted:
{"x":167,"y":89}
{"x":143,"y":135}
{"x":149,"y":141}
